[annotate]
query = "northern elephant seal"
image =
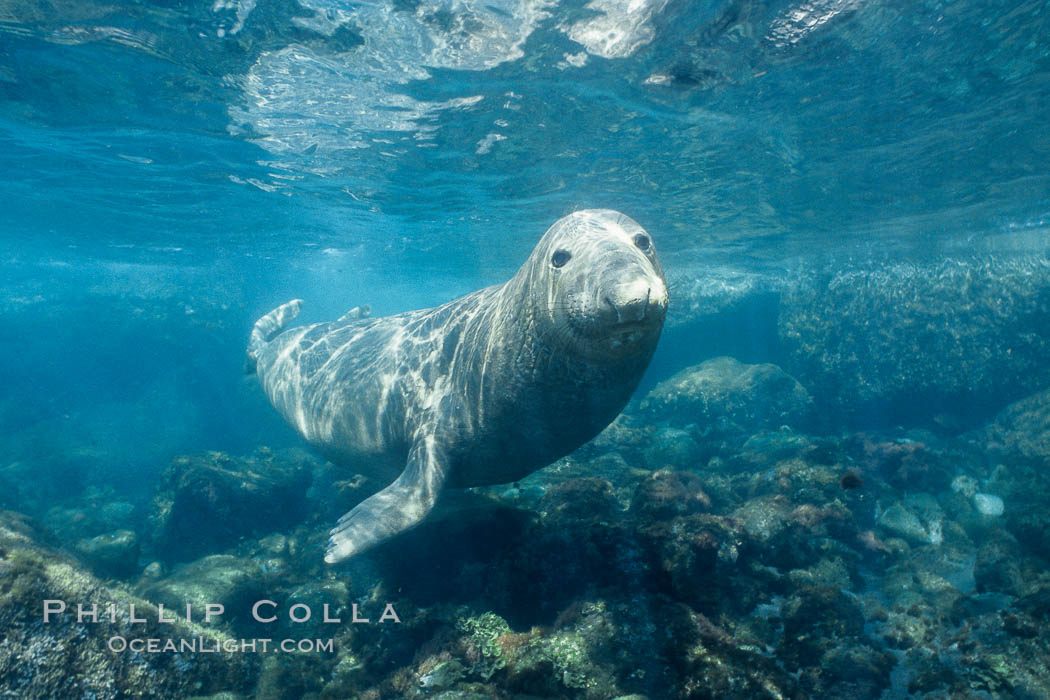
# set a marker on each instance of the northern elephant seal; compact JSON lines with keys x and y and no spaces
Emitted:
{"x":482,"y":390}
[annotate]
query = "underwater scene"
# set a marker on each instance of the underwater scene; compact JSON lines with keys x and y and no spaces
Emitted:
{"x":525,"y":349}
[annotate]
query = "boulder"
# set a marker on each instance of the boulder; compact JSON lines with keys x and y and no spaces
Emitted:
{"x":207,"y":503}
{"x":666,"y":494}
{"x":724,"y":396}
{"x":1021,"y":429}
{"x":223,"y":579}
{"x":64,"y":658}
{"x":917,"y":519}
{"x":114,"y":554}
{"x":905,"y":342}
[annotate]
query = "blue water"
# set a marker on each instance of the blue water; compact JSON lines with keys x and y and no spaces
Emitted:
{"x":399,"y":156}
{"x":172,"y":170}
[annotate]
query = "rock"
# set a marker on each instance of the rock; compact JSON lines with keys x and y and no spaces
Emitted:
{"x":905,"y":463}
{"x":850,"y":670}
{"x":770,"y":447}
{"x":815,"y":619}
{"x":331,"y":598}
{"x":62,"y":658}
{"x":829,"y":571}
{"x":965,"y":485}
{"x":723,"y":395}
{"x":914,"y":523}
{"x":695,"y":558}
{"x":904,"y":631}
{"x":154,"y":570}
{"x":709,"y":660}
{"x":285,"y":676}
{"x":273,"y":545}
{"x":114,"y":554}
{"x":226,"y":580}
{"x":666,"y":494}
{"x":1022,"y":428}
{"x":996,"y":568}
{"x":674,"y":448}
{"x":442,"y":676}
{"x":867,"y":341}
{"x":482,"y":635}
{"x":208,"y":503}
{"x":95,"y":512}
{"x":988,"y":504}
{"x":575,"y":659}
{"x":621,"y":438}
{"x":763,"y":518}
{"x":584,"y":498}
{"x":1036,"y":604}
{"x":928,"y":671}
{"x":792,"y":536}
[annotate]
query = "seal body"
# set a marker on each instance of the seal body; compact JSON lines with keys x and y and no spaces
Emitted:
{"x":481,"y":390}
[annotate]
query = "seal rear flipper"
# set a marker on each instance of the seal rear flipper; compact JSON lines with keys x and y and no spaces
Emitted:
{"x":398,"y":507}
{"x":267,"y":327}
{"x":358,"y":312}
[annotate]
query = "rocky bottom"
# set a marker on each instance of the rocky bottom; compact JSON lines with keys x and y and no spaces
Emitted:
{"x":708,"y":544}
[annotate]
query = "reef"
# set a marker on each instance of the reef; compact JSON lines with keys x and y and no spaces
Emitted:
{"x":723,"y":398}
{"x":662,"y":560}
{"x":1021,"y":429}
{"x":207,"y":503}
{"x":61,"y":657}
{"x":915,"y":340}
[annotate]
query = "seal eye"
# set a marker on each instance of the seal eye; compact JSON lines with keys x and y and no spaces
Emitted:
{"x":642,"y":241}
{"x":560,"y":257}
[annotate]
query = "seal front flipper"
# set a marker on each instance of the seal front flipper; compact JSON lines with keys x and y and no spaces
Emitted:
{"x":397,"y":508}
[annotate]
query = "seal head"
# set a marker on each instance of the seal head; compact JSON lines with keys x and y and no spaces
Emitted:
{"x":596,"y":288}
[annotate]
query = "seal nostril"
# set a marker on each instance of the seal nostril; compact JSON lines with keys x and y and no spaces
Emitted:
{"x":627,"y":304}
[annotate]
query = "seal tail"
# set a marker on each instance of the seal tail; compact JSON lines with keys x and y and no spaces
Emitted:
{"x":267,"y":327}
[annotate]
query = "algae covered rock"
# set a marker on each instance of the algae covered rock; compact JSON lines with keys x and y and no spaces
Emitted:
{"x":223,"y":579}
{"x":724,"y":395}
{"x":1022,"y":428}
{"x":694,"y":558}
{"x":329,"y":598}
{"x":64,"y":658}
{"x":674,"y":448}
{"x":588,"y":498}
{"x":917,"y":519}
{"x":912,"y":341}
{"x":666,"y":494}
{"x":207,"y":503}
{"x":905,"y":463}
{"x":96,"y":511}
{"x":113,"y":554}
{"x":482,"y":643}
{"x":578,"y":658}
{"x":815,"y":618}
{"x":997,"y":569}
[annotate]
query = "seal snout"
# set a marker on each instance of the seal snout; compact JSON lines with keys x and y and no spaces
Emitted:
{"x":637,"y":301}
{"x":628,"y":304}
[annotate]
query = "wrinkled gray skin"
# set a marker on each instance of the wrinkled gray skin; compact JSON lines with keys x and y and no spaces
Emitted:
{"x":482,"y":390}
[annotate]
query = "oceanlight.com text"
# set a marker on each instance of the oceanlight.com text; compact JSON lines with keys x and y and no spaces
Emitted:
{"x":202,"y":645}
